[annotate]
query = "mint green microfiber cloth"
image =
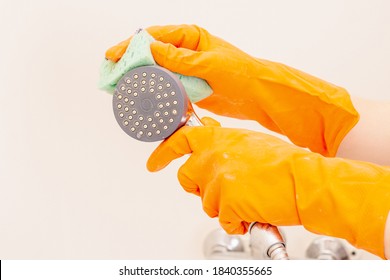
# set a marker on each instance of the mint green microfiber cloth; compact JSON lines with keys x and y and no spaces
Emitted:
{"x":138,"y":54}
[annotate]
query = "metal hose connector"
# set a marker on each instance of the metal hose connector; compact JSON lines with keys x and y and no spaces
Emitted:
{"x":266,"y":242}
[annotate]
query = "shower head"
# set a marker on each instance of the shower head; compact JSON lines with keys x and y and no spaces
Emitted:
{"x":150,"y":103}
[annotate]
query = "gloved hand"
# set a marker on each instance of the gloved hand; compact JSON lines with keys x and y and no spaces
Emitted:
{"x":244,"y":176}
{"x":310,"y":112}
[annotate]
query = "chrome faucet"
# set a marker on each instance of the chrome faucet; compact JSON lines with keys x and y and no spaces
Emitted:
{"x":266,"y":243}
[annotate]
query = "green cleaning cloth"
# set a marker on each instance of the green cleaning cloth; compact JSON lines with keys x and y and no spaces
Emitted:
{"x":138,"y":54}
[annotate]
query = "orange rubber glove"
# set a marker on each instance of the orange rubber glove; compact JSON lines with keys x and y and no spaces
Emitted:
{"x":312,"y":113}
{"x":244,"y":176}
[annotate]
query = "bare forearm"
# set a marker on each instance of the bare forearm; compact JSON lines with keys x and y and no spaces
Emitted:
{"x":369,"y":139}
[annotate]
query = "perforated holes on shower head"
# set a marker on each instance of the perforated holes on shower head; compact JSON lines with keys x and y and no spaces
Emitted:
{"x":150,"y":103}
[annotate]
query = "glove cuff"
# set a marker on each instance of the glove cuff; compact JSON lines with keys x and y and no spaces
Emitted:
{"x":312,"y":113}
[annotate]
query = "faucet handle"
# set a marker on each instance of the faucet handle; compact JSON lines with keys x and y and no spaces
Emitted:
{"x":327,"y":248}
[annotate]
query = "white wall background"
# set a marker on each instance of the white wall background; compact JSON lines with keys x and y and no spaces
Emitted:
{"x":72,"y":184}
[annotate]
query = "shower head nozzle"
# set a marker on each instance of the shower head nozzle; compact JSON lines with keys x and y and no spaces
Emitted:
{"x":150,"y":103}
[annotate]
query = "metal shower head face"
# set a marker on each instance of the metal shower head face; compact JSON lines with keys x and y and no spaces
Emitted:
{"x":150,"y":103}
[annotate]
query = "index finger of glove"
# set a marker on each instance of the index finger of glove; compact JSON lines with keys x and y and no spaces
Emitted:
{"x":207,"y":121}
{"x":172,"y":148}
